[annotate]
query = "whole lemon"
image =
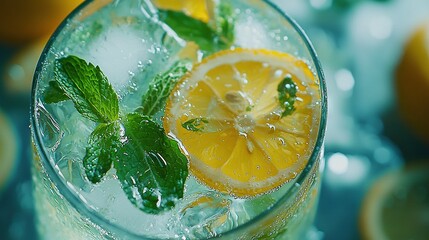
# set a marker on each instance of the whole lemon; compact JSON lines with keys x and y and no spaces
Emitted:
{"x":412,"y":82}
{"x":23,"y":20}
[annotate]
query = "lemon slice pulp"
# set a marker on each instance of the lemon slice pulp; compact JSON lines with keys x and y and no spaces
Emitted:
{"x":240,"y":144}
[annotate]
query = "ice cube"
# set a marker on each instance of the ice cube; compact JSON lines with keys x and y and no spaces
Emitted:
{"x":250,"y":32}
{"x":119,"y":51}
{"x":108,"y":198}
{"x":204,"y":215}
{"x":72,"y":172}
{"x":48,"y":127}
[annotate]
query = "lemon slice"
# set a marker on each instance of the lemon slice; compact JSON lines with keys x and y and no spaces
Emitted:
{"x":397,"y":206}
{"x":194,"y":8}
{"x":237,"y":141}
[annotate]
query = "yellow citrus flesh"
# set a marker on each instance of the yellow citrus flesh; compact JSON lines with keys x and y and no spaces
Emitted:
{"x":193,"y":8}
{"x":245,"y":148}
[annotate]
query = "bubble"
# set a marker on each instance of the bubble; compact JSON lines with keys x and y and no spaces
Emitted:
{"x":271,"y":127}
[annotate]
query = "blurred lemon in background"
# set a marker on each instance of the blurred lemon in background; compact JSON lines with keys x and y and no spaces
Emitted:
{"x":19,"y":71}
{"x":8,"y":149}
{"x":397,"y":206}
{"x":412,"y":82}
{"x":195,"y":8}
{"x":23,"y":20}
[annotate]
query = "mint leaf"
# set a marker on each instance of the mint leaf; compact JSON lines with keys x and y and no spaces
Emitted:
{"x":195,"y":124}
{"x":287,"y":90}
{"x":191,"y":29}
{"x":161,"y":86}
{"x":225,"y":21}
{"x":88,"y":88}
{"x":54,"y":94}
{"x":150,"y":166}
{"x":103,"y":142}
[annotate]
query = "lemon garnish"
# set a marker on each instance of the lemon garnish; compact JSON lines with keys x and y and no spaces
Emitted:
{"x":244,"y":146}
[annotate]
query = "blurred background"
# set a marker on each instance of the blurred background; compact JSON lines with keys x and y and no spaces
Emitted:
{"x":375,"y":54}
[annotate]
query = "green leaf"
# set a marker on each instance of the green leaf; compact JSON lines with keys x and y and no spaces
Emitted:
{"x":217,"y":35}
{"x":150,"y":166}
{"x":225,"y":21}
{"x":54,"y":94}
{"x":159,"y":89}
{"x":195,"y":124}
{"x":88,"y":88}
{"x":287,"y":90}
{"x":104,"y":141}
{"x":191,"y":29}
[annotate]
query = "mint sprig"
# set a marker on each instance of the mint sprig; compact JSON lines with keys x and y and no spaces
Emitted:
{"x":210,"y":37}
{"x":191,"y":29}
{"x":161,"y":86}
{"x":54,"y":94}
{"x":195,"y":124}
{"x":287,"y":90}
{"x":150,"y":166}
{"x":224,"y":21}
{"x":88,"y":88}
{"x":102,"y":144}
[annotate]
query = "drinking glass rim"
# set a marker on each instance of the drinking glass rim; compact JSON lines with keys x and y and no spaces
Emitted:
{"x":94,"y":216}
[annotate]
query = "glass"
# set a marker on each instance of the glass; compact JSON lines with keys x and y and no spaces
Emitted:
{"x":64,"y":205}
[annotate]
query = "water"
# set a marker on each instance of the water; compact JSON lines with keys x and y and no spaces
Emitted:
{"x":131,"y":49}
